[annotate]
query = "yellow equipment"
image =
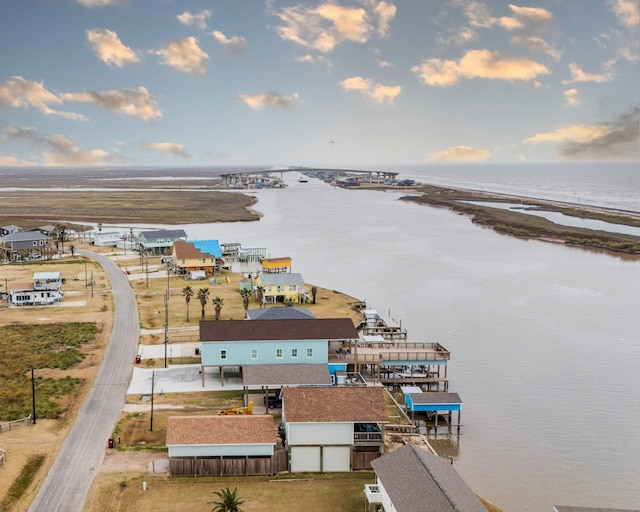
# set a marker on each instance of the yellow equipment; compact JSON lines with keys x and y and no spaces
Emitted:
{"x":237,"y":410}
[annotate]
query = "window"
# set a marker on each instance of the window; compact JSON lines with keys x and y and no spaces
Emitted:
{"x":35,"y":243}
{"x":292,"y":287}
{"x":223,"y":354}
{"x":309,"y":352}
{"x":254,"y":353}
{"x":294,"y":353}
{"x":279,"y":353}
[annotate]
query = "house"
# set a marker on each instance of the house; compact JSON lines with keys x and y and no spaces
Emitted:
{"x":221,"y":445}
{"x":45,"y":289}
{"x":160,"y":241}
{"x":274,"y":343}
{"x":279,"y":313}
{"x":7,"y":230}
{"x":20,"y":244}
{"x":282,"y":287}
{"x":107,"y":238}
{"x":276,"y":265}
{"x":333,"y":428}
{"x":47,"y":281}
{"x":195,"y":255}
{"x":410,"y":479}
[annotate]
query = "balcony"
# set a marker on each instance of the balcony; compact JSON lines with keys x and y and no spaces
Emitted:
{"x":373,"y":494}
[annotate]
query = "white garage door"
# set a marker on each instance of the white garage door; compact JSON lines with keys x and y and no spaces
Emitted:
{"x":305,"y":458}
{"x":336,"y":458}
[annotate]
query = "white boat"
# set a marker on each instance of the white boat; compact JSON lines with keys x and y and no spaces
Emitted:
{"x":303,"y":179}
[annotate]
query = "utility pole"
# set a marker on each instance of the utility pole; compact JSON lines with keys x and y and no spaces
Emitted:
{"x":166,"y":325}
{"x":153,"y":380}
{"x":33,"y":397}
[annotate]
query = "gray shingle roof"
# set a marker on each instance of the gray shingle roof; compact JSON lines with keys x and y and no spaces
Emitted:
{"x":435,"y":397}
{"x":164,"y":233}
{"x":418,"y":481}
{"x":25,"y":236}
{"x":279,"y":313}
{"x":281,"y":279}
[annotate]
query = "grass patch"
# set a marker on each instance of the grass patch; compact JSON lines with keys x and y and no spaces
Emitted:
{"x":56,"y":346}
{"x":22,"y":482}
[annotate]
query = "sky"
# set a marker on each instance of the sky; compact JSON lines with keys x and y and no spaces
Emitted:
{"x":324,"y":83}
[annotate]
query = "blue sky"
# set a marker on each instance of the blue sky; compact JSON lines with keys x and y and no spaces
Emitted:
{"x":318,"y":83}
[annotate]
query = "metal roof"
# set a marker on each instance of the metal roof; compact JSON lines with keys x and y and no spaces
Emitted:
{"x":207,"y":246}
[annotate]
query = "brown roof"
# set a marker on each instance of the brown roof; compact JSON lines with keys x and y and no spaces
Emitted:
{"x":187,"y":251}
{"x":207,"y":430}
{"x":265,"y":330}
{"x":334,"y":404}
{"x":285,"y":374}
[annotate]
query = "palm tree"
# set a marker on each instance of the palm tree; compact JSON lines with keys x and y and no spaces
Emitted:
{"x":187,"y":292}
{"x":61,"y":234}
{"x":72,"y":248}
{"x":314,"y":292}
{"x":218,"y":302}
{"x":228,"y":502}
{"x":203,"y":296}
{"x":260,"y":294}
{"x":245,"y":298}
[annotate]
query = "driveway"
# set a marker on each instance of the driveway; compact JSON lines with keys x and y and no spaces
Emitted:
{"x":66,"y":485}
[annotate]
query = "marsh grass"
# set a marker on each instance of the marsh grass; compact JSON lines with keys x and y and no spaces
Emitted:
{"x":22,"y":482}
{"x":55,"y":346}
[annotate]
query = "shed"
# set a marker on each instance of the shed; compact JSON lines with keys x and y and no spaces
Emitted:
{"x":333,"y":428}
{"x":432,"y":402}
{"x":221,"y":445}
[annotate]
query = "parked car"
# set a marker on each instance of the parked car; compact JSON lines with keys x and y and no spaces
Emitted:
{"x":272,"y":401}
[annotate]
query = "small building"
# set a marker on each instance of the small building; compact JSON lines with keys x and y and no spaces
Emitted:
{"x":45,"y":289}
{"x":282,"y":287}
{"x":276,"y":265}
{"x":7,"y":230}
{"x":159,"y":241}
{"x":107,"y":238}
{"x":432,"y":403}
{"x":47,"y":281}
{"x":221,"y":445}
{"x":333,"y":428}
{"x":191,"y":256}
{"x":410,"y":479}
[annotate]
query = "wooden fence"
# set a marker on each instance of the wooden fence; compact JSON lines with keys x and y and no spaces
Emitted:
{"x":228,"y":466}
{"x":362,"y":460}
{"x":3,"y":457}
{"x":12,"y":425}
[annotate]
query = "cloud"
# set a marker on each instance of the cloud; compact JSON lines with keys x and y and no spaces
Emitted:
{"x":167,"y":147}
{"x":12,"y":161}
{"x":132,"y":102}
{"x":320,"y":61}
{"x":97,"y":3}
{"x":236,"y":44}
{"x":109,"y":49}
{"x":627,"y":11}
{"x":18,"y":92}
{"x":460,"y":154}
{"x":572,"y":97}
{"x":537,"y":44}
{"x":457,"y":36}
{"x":198,"y":19}
{"x":577,"y":75}
{"x":267,"y":99}
{"x":617,"y":139}
{"x":184,"y":55}
{"x":60,"y":151}
{"x":323,"y":27}
{"x":375,"y":92}
{"x":477,"y":64}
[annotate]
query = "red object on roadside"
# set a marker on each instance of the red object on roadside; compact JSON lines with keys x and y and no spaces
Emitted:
{"x":138,"y":358}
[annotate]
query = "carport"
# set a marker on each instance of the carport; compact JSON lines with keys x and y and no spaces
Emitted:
{"x":435,"y":401}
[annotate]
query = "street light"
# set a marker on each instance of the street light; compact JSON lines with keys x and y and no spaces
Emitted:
{"x":33,"y":397}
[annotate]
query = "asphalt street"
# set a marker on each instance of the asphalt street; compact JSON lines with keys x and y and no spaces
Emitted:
{"x":66,"y":485}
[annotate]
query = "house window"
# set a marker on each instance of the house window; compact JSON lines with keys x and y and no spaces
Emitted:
{"x":294,"y":353}
{"x":279,"y":352}
{"x":223,"y":354}
{"x":309,"y":352}
{"x":254,"y":353}
{"x":292,"y":287}
{"x":35,"y":243}
{"x":41,"y":242}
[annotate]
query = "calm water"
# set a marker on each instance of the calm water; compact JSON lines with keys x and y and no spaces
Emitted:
{"x":545,"y":340}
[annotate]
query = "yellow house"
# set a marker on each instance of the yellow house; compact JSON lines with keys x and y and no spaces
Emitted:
{"x":276,"y":265}
{"x":282,"y":287}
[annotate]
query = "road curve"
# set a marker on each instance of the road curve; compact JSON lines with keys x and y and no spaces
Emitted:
{"x":66,"y":485}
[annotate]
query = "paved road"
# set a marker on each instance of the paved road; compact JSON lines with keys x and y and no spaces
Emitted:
{"x":66,"y":486}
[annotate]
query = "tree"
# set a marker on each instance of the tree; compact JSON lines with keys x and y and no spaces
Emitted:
{"x":289,"y":301}
{"x":260,"y":294}
{"x":245,"y":298}
{"x":203,"y":296}
{"x":187,"y":292}
{"x":61,"y":234}
{"x":314,"y":292}
{"x":72,"y":248}
{"x":228,"y":501}
{"x":218,"y":303}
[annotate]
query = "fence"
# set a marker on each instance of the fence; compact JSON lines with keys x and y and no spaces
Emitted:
{"x":12,"y":425}
{"x":228,"y":466}
{"x":3,"y":457}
